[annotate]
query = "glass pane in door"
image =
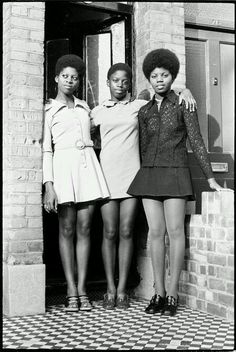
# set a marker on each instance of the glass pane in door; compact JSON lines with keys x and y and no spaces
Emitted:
{"x":196,"y":80}
{"x":98,"y":61}
{"x":227,"y":95}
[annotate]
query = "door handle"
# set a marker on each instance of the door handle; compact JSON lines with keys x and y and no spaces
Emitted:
{"x":215,"y":81}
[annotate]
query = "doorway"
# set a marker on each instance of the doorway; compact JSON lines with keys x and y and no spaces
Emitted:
{"x":99,"y":33}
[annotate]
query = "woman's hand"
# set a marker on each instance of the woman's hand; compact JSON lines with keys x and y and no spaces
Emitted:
{"x":214,"y":185}
{"x":188,"y":98}
{"x":50,"y":198}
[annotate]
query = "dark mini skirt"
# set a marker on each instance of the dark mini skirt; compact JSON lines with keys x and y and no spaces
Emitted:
{"x":162,"y":182}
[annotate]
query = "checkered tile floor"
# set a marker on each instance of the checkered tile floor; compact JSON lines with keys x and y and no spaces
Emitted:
{"x":117,"y":330}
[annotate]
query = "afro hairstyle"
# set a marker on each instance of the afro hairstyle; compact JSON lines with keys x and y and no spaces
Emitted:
{"x":119,"y":67}
{"x":70,"y":60}
{"x":161,"y":58}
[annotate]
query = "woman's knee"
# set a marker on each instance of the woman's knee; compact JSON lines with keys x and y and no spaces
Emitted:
{"x":83,"y":229}
{"x":157,"y":233}
{"x":176,"y":232}
{"x":67,"y":230}
{"x":126,"y":233}
{"x":109,"y":232}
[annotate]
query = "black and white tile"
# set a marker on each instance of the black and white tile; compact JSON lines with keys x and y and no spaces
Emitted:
{"x":131,"y":329}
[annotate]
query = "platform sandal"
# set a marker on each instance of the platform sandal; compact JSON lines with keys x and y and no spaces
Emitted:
{"x":122,"y":302}
{"x":109,"y":301}
{"x":72,"y":304}
{"x":85,"y":304}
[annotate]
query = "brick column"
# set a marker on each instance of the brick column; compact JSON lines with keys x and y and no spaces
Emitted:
{"x":23,"y":57}
{"x":158,"y":25}
{"x":207,"y":281}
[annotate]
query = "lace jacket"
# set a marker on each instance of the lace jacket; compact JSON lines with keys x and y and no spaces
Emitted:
{"x":163,"y":135}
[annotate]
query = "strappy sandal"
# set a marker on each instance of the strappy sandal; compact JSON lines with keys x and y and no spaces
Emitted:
{"x":109,"y":301}
{"x":122,"y":302}
{"x":72,"y":304}
{"x":85,"y":304}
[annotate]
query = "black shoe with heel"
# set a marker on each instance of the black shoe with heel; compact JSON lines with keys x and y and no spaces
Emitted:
{"x":170,"y":306}
{"x":156,"y":304}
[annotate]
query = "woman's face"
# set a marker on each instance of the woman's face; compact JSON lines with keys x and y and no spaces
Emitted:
{"x":161,"y":80}
{"x":119,"y":84}
{"x":67,"y":80}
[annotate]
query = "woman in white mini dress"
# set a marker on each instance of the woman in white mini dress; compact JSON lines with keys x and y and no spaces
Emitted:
{"x":72,"y":175}
{"x":120,"y":161}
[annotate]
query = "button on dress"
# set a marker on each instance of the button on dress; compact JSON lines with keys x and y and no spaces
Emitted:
{"x":69,"y":160}
{"x":119,"y":157}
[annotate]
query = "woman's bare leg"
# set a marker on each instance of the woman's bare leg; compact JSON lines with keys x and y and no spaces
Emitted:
{"x":156,"y":222}
{"x":84,"y":217}
{"x":128,"y":209}
{"x":67,"y":224}
{"x":175,"y":215}
{"x":110,"y":216}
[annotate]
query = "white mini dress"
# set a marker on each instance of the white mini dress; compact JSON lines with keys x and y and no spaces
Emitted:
{"x":119,"y":157}
{"x":69,"y":160}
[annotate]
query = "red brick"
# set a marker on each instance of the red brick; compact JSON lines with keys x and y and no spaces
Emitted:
{"x":189,"y":289}
{"x":201,"y":304}
{"x":229,"y":234}
{"x":216,"y":284}
{"x":225,"y":247}
{"x":225,"y":273}
{"x":211,"y":270}
{"x":33,"y":210}
{"x":216,"y":259}
{"x":216,"y":310}
{"x":202,"y":269}
{"x":35,"y":246}
{"x":192,"y":279}
{"x":25,"y":234}
{"x":35,"y":223}
{"x":24,"y":259}
{"x":230,"y":261}
{"x":228,"y":300}
{"x":211,"y":246}
{"x":202,"y":294}
{"x":230,"y":288}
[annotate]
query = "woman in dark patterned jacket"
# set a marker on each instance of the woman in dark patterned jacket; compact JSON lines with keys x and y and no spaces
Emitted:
{"x":164,"y":180}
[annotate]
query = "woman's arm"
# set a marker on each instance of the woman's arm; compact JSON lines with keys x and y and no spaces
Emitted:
{"x":198,"y":147}
{"x":188,"y":98}
{"x":50,"y":198}
{"x":142,"y":134}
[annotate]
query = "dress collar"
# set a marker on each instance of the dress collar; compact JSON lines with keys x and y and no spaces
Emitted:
{"x":58,"y":105}
{"x":109,"y":103}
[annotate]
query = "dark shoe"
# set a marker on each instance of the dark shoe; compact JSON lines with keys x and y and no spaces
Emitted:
{"x":85,"y":304}
{"x":72,"y":304}
{"x":156,"y":304}
{"x":170,"y":306}
{"x":109,"y":301}
{"x":122,"y":302}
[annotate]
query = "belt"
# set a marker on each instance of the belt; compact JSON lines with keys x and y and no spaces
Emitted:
{"x":78,"y":145}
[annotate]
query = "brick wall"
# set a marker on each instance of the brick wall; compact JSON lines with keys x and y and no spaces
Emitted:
{"x":207,"y":281}
{"x":158,"y":25}
{"x":23,"y":57}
